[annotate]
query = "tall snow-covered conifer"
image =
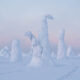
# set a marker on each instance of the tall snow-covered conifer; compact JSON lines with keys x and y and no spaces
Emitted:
{"x":16,"y":53}
{"x":43,"y":36}
{"x":61,"y":45}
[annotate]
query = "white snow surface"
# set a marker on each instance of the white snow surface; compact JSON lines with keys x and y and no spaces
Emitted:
{"x":68,"y":70}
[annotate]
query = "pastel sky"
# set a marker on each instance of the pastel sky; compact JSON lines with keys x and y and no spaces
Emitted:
{"x":19,"y":16}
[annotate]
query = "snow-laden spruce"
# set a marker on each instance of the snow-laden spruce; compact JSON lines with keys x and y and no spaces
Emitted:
{"x":43,"y":36}
{"x":5,"y":52}
{"x":16,"y":53}
{"x":36,"y":50}
{"x":61,"y":45}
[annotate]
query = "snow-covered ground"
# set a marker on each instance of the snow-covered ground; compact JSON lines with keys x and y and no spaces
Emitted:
{"x":70,"y":70}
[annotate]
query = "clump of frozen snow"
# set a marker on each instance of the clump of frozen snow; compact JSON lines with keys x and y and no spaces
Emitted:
{"x":36,"y":50}
{"x":61,"y":45}
{"x":16,"y":53}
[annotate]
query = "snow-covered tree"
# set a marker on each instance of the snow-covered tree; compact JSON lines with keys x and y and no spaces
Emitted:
{"x":61,"y":45}
{"x":70,"y":51}
{"x":36,"y":50}
{"x":16,"y":53}
{"x":43,"y":36}
{"x":5,"y":52}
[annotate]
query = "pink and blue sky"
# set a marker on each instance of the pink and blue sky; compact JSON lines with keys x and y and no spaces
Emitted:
{"x":19,"y":16}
